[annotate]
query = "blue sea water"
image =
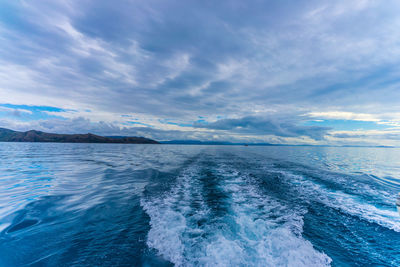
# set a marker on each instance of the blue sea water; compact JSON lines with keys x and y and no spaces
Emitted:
{"x":164,"y":205}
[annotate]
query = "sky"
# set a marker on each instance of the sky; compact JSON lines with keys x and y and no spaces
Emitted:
{"x":287,"y":72}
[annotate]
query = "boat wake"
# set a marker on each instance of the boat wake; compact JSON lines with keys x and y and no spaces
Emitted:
{"x":216,"y":215}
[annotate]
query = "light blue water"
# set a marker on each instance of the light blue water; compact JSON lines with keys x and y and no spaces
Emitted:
{"x":159,"y":205}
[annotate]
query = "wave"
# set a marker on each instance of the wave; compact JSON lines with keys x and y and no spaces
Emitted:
{"x":350,"y":204}
{"x":216,"y":216}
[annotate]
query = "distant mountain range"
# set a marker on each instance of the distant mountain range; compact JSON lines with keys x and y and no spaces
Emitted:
{"x":197,"y":142}
{"x":7,"y":135}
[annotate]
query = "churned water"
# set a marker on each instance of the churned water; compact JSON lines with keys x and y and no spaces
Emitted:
{"x":162,"y":205}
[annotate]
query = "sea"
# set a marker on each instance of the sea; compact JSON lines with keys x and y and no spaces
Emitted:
{"x":188,"y":205}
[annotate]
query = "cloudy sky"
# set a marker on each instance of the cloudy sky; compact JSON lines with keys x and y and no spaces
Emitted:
{"x":315,"y":72}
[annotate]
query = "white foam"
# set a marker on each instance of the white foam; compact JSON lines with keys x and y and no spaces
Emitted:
{"x":268,"y":230}
{"x":345,"y":202}
{"x":170,"y":216}
{"x":257,"y":231}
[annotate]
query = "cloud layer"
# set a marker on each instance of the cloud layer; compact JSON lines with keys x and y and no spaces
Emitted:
{"x":259,"y":69}
{"x":261,"y":126}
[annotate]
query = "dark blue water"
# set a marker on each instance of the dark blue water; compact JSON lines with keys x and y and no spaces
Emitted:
{"x":163,"y":205}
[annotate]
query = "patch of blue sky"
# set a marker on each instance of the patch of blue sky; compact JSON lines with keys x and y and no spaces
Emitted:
{"x":137,"y":122}
{"x":163,"y":121}
{"x":347,"y":125}
{"x":35,"y":108}
{"x":30,"y":113}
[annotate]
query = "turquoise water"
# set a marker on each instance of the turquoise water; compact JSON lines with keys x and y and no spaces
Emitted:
{"x":162,"y":205}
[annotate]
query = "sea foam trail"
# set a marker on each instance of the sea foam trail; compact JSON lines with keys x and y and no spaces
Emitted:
{"x":236,"y":226}
{"x":175,"y":217}
{"x":349,"y":204}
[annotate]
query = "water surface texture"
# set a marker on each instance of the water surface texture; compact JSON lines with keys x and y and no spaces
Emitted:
{"x":164,"y":205}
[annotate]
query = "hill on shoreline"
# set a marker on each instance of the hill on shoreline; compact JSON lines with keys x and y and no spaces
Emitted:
{"x":7,"y":135}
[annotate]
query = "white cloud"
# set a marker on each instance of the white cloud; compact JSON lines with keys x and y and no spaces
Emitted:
{"x":173,"y":60}
{"x":343,"y":115}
